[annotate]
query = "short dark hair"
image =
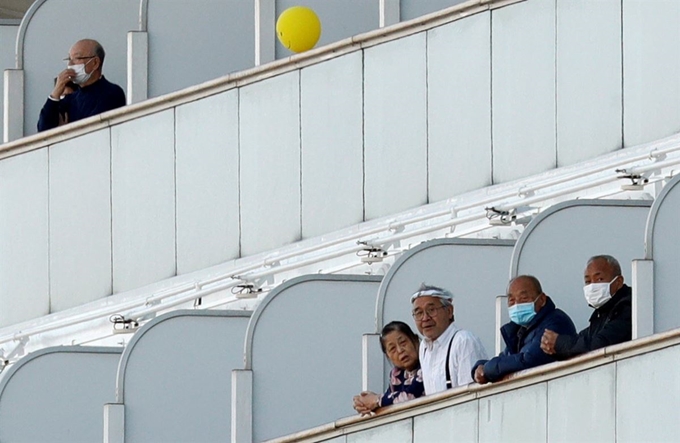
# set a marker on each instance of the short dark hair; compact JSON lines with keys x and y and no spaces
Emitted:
{"x":533,"y":280}
{"x":99,"y":52}
{"x":611,"y":261}
{"x":397,"y":326}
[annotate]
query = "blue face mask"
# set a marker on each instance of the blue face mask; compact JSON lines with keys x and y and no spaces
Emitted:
{"x":522,"y":313}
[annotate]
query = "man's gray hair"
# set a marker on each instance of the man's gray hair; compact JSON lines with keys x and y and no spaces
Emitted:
{"x":611,"y":261}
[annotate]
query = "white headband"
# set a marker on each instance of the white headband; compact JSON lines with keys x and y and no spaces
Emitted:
{"x":439,"y":293}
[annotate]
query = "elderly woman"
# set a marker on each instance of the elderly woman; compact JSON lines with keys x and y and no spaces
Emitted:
{"x":400,"y":344}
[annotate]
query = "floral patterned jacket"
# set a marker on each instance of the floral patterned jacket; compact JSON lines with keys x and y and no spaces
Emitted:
{"x":404,"y":386}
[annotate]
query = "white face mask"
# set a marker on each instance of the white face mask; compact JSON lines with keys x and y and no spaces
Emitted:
{"x":81,"y":76}
{"x":597,"y":294}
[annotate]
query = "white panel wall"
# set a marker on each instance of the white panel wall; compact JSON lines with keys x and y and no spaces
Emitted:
{"x":339,"y":20}
{"x":8,"y":37}
{"x":647,"y":399}
{"x":51,"y":32}
{"x":523,"y":90}
{"x":332,"y":145}
{"x":395,"y":126}
{"x":207,"y":182}
{"x":459,"y":107}
{"x":398,"y":432}
{"x":666,"y":261}
{"x":589,"y":94}
{"x":80,"y":220}
{"x":516,"y":415}
{"x":651,"y":38}
{"x":568,"y":418}
{"x":217,"y":37}
{"x":456,"y":424}
{"x":24,"y":284}
{"x":415,"y":8}
{"x":143,"y":201}
{"x":270,"y":163}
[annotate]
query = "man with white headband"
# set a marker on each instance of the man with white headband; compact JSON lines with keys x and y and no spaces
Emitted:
{"x":447,"y":353}
{"x":95,"y":95}
{"x":611,"y":323}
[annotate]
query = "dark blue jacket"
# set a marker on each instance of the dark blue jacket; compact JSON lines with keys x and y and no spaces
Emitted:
{"x":100,"y":96}
{"x":523,"y":343}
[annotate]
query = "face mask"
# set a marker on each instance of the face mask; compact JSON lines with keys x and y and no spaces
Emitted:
{"x":81,"y":76}
{"x":597,"y":294}
{"x":522,"y":313}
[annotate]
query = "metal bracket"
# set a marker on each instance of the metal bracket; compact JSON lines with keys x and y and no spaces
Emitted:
{"x":500,"y":217}
{"x":638,"y":181}
{"x":371,"y":254}
{"x":246,"y":290}
{"x":122,"y":325}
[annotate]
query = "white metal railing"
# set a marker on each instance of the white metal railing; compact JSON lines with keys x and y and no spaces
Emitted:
{"x":593,"y":179}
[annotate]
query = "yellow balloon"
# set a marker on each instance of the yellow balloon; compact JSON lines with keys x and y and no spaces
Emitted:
{"x":298,"y":28}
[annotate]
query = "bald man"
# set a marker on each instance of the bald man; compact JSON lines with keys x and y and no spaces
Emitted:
{"x":95,"y":95}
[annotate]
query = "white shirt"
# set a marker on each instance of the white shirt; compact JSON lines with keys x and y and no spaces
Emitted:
{"x":466,"y":350}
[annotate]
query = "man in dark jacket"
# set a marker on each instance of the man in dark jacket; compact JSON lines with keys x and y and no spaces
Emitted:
{"x":95,"y":95}
{"x":611,"y":322}
{"x":531,"y":312}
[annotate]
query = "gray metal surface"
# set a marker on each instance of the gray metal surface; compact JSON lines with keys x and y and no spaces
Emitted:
{"x":661,"y":245}
{"x":206,"y":168}
{"x":80,"y":222}
{"x":395,"y":126}
{"x":589,"y":82}
{"x":459,"y":118}
{"x":332,"y":147}
{"x":191,"y":41}
{"x":270,"y":163}
{"x":173,"y":377}
{"x":410,"y":9}
{"x":303,"y":346}
{"x":557,"y":243}
{"x":523,"y":89}
{"x":24,"y":267}
{"x":652,"y":69}
{"x":143,"y":201}
{"x":476,"y":271}
{"x":8,"y":36}
{"x":57,"y":395}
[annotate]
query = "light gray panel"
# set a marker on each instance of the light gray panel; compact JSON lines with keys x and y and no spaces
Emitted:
{"x":651,"y":67}
{"x":51,"y":33}
{"x":270,"y":163}
{"x":312,"y":329}
{"x":395,"y":131}
{"x":475,"y":273}
{"x":24,"y":273}
{"x":339,"y":19}
{"x":589,"y":103}
{"x":58,"y":395}
{"x":398,"y":432}
{"x":176,"y":378}
{"x":456,"y":424}
{"x":8,"y":36}
{"x":569,"y":420}
{"x":556,"y":247}
{"x":207,"y":182}
{"x":143,"y":199}
{"x":459,"y":107}
{"x":514,"y":416}
{"x":332,"y":145}
{"x":410,"y":9}
{"x":217,"y":37}
{"x":523,"y":89}
{"x":666,"y":261}
{"x":80,"y":220}
{"x":647,"y":400}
